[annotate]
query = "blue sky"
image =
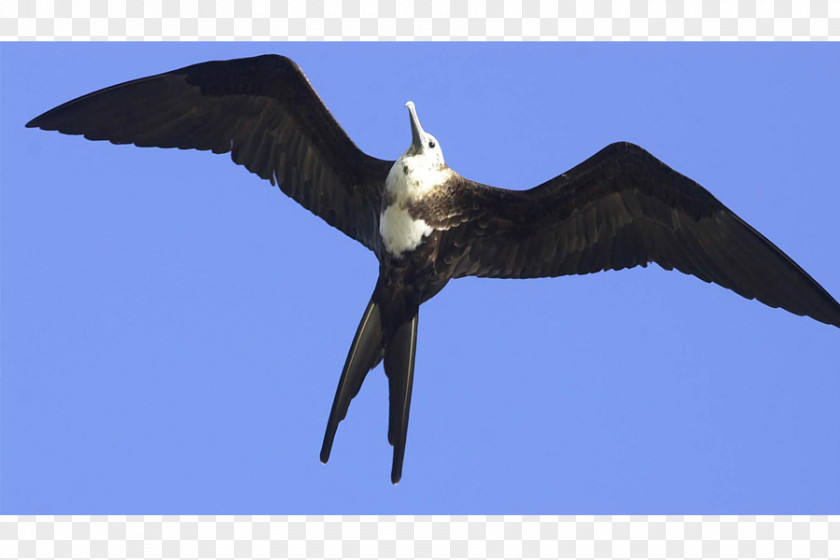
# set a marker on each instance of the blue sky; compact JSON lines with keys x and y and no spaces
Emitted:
{"x":173,"y":328}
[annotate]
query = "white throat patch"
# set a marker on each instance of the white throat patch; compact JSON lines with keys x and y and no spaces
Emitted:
{"x":410,"y":179}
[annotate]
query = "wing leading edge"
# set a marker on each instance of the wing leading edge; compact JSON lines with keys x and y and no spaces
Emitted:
{"x":263,"y":111}
{"x":619,"y":209}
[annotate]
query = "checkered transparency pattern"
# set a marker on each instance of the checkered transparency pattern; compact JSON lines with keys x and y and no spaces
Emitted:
{"x":419,"y":537}
{"x":422,"y":20}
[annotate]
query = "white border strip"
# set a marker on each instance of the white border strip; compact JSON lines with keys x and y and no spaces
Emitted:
{"x":420,"y":537}
{"x":509,"y":20}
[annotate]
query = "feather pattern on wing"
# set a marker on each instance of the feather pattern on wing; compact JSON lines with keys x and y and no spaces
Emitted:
{"x":263,"y":111}
{"x":619,"y":209}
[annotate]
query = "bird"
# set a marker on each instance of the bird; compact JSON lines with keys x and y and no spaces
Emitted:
{"x":427,"y":224}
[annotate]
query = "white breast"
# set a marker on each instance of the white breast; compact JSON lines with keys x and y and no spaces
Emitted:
{"x":400,"y":232}
{"x":409,"y":180}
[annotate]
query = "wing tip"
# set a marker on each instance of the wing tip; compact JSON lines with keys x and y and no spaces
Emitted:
{"x":41,"y":121}
{"x":46,"y":121}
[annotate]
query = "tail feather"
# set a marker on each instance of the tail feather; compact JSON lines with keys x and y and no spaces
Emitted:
{"x":365,"y":353}
{"x":399,"y":366}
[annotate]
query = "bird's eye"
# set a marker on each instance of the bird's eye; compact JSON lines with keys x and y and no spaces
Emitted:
{"x":431,"y":143}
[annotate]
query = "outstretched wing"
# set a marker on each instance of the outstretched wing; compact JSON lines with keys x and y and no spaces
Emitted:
{"x":619,"y":209}
{"x":263,"y":110}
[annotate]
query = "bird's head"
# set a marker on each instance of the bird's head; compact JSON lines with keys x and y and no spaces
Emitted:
{"x":423,"y":144}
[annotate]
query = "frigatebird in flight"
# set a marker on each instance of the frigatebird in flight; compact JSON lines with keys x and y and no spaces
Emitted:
{"x":427,"y":224}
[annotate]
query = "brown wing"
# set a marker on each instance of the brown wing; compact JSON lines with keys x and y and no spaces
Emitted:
{"x":262,"y":110}
{"x":619,"y":209}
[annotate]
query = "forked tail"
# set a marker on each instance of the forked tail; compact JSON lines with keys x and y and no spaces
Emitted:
{"x":369,"y":346}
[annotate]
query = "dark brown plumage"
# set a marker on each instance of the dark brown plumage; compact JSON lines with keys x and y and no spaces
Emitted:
{"x":619,"y":209}
{"x":263,"y":111}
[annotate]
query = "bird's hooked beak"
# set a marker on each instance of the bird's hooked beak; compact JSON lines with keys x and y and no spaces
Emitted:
{"x":417,"y":131}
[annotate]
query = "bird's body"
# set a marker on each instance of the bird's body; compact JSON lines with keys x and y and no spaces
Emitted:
{"x":427,"y":224}
{"x":410,"y":184}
